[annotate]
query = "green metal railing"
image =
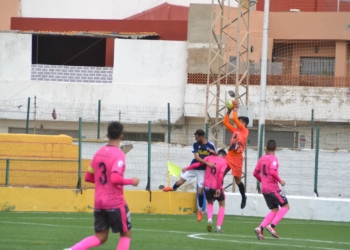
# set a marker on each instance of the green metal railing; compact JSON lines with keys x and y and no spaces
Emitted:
{"x":260,"y":152}
{"x":169,"y":124}
{"x":79,"y":154}
{"x":148,"y":187}
{"x":316,"y":159}
{"x":99,"y":119}
{"x":28,"y":111}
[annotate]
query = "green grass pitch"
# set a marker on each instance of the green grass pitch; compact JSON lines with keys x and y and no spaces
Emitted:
{"x":39,"y":231}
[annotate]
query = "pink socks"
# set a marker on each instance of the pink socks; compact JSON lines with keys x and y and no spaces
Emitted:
{"x":210,"y":211}
{"x":280,"y":214}
{"x":268,"y":218}
{"x":88,"y":242}
{"x":93,"y":241}
{"x":124,"y":243}
{"x":221,"y":215}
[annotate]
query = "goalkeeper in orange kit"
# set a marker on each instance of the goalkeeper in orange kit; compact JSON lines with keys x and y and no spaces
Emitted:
{"x":234,"y":156}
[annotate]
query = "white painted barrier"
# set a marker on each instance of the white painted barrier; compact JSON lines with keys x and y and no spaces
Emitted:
{"x":305,"y":208}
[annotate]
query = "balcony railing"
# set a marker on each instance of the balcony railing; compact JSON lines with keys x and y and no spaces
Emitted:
{"x":278,"y":80}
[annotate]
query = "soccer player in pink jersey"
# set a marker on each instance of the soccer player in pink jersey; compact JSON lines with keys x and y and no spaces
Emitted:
{"x":213,"y":180}
{"x":111,"y":211}
{"x":266,"y":171}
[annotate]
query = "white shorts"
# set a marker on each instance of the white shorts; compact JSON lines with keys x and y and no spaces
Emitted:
{"x":190,"y":174}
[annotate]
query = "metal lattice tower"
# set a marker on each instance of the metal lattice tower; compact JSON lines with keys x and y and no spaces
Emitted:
{"x":230,"y":29}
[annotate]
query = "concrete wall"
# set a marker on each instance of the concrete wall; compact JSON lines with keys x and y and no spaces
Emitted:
{"x":145,"y":72}
{"x":304,"y":208}
{"x":155,"y":63}
{"x":32,"y":146}
{"x":15,"y":58}
{"x":93,"y":9}
{"x":40,"y":161}
{"x":58,"y":73}
{"x":282,"y":102}
{"x":309,"y":26}
{"x":66,"y":200}
{"x":70,"y":200}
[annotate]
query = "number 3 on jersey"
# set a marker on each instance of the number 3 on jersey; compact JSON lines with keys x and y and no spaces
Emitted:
{"x":103,"y":177}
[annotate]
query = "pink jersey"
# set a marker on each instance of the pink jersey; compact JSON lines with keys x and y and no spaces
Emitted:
{"x":108,"y":159}
{"x":212,"y":175}
{"x":266,"y":164}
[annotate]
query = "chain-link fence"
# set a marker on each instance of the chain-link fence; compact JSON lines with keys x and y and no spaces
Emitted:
{"x":310,"y":162}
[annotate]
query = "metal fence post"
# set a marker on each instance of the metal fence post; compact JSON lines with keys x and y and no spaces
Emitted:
{"x":169,"y":124}
{"x":28,"y":110}
{"x":316,"y":159}
{"x":260,"y":152}
{"x":7,"y":172}
{"x":79,"y":154}
{"x":99,"y":119}
{"x":312,"y":129}
{"x":148,"y":187}
{"x":206,"y":131}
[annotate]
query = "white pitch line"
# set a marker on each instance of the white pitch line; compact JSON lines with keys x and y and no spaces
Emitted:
{"x":41,"y":224}
{"x":198,"y":236}
{"x":48,"y":218}
{"x":307,"y":240}
{"x":180,"y":232}
{"x":69,"y":218}
{"x":250,"y":221}
{"x":287,"y":223}
{"x":323,"y":223}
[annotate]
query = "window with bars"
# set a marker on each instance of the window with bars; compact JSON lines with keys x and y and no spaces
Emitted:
{"x":324,"y":66}
{"x":139,"y":136}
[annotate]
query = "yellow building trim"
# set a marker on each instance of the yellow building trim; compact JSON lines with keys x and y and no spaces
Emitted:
{"x":69,"y":200}
{"x":37,"y":146}
{"x":29,"y":138}
{"x":50,"y":174}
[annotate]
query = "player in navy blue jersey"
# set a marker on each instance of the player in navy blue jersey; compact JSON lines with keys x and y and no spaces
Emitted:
{"x":201,"y":149}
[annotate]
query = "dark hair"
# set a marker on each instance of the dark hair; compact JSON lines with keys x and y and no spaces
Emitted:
{"x":244,"y":119}
{"x":222,"y":152}
{"x":271,"y":145}
{"x":115,"y":130}
{"x":200,"y":132}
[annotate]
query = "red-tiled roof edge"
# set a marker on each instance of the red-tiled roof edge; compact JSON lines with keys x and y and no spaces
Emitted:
{"x":163,"y":11}
{"x":161,"y":27}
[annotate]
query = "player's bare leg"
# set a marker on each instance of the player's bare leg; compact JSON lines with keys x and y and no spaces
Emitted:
{"x":176,"y":185}
{"x":124,"y":241}
{"x":103,"y":236}
{"x":241,"y":190}
{"x":227,"y":170}
{"x":280,"y":213}
{"x":210,"y":214}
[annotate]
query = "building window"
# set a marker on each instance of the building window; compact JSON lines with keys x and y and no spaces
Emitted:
{"x":68,"y":50}
{"x":324,"y":66}
{"x":133,"y":136}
